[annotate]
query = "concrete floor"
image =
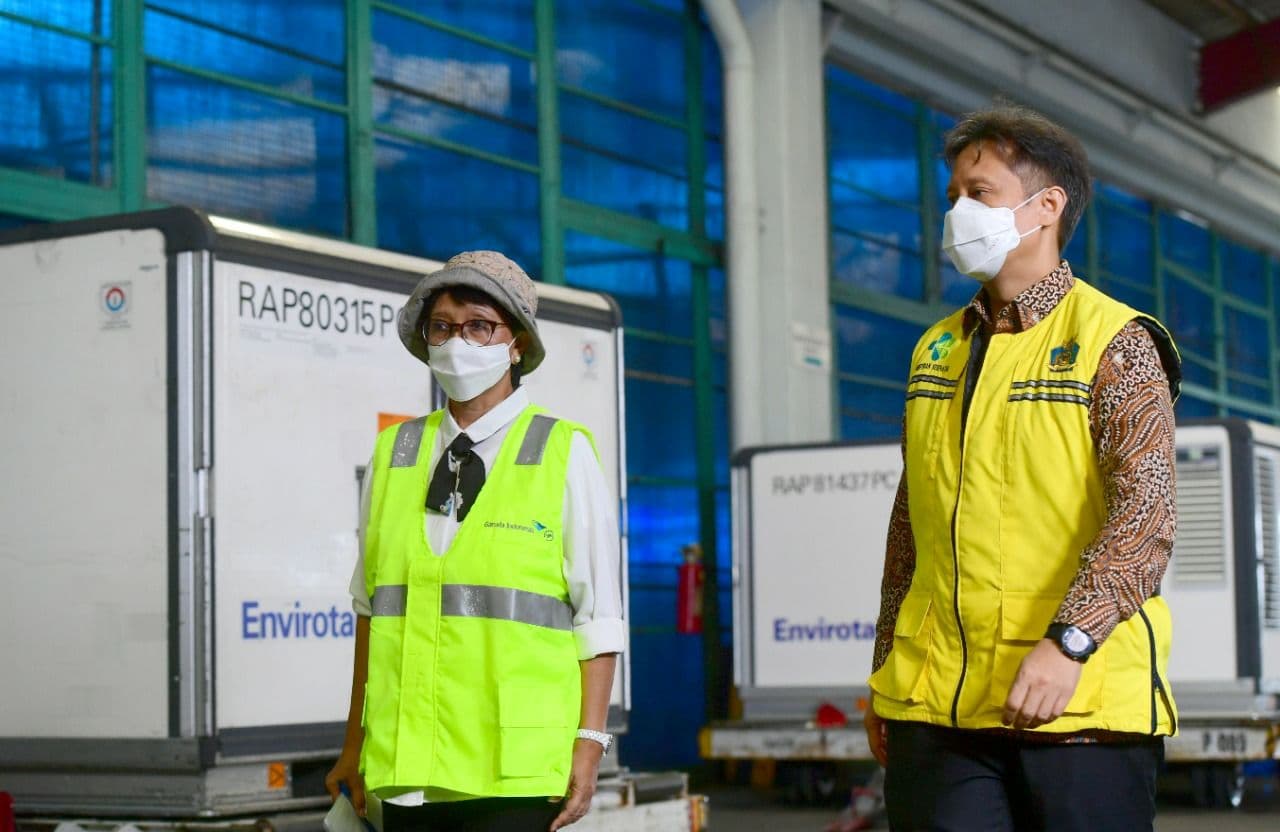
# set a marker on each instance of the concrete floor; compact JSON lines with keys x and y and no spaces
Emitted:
{"x":739,"y":809}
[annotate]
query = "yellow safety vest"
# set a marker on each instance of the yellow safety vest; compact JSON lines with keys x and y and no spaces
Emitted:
{"x":1001,"y":510}
{"x":474,"y":684}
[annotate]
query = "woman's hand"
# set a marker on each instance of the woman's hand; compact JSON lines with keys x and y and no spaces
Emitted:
{"x":347,"y":770}
{"x":582,"y":783}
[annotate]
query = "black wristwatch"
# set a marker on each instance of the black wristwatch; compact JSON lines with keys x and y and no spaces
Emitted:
{"x":1074,"y":642}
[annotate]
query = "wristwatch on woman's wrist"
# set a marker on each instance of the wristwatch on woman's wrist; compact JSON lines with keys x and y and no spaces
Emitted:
{"x":605,"y":740}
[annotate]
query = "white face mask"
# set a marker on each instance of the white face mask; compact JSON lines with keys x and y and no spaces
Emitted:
{"x":979,"y":237}
{"x":466,"y":371}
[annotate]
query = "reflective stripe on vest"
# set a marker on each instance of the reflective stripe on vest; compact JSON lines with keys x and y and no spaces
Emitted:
{"x":389,"y":600}
{"x":473,"y":601}
{"x":535,"y":440}
{"x":408,"y":441}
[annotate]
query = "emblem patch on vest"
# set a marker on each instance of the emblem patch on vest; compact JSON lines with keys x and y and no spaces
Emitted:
{"x":1063,"y":358}
{"x":941,"y":346}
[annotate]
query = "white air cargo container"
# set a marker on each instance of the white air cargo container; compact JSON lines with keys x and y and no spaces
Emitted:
{"x":1223,"y":584}
{"x":809,"y":526}
{"x":188,"y":405}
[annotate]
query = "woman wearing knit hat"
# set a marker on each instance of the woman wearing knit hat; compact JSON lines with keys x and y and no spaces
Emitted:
{"x":489,"y":606}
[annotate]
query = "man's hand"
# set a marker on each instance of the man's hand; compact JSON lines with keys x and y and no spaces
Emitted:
{"x":582,"y":783}
{"x":347,"y":770}
{"x":877,"y":735}
{"x":1044,"y":685}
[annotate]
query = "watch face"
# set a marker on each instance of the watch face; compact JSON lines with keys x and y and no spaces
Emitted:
{"x":1075,"y":640}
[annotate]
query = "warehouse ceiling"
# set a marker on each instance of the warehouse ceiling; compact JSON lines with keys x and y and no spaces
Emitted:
{"x":1215,"y":19}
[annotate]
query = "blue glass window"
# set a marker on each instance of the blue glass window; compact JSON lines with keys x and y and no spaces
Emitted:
{"x":663,"y":519}
{"x":316,"y":28}
{"x":1192,"y":407}
{"x":671,"y":452}
{"x":722,"y":433}
{"x":1247,"y":343}
{"x":852,"y":84}
{"x":506,"y":21}
{"x":661,"y":356}
{"x":859,"y":261}
{"x":1186,"y":242}
{"x":437,"y":85}
{"x":1119,"y":196}
{"x":605,"y":130}
{"x":1077,"y":254}
{"x":655,"y":292}
{"x":296,"y":47}
{"x":869,"y":411}
{"x":1199,"y":372}
{"x":613,"y":48}
{"x":1245,"y":390}
{"x":69,"y":14}
{"x":436,"y":203}
{"x":856,"y":211}
{"x":1189,"y":315}
{"x":957,"y":289}
{"x":1125,"y":244}
{"x":58,"y":102}
{"x":1244,"y":273}
{"x":719,"y":310}
{"x":874,"y":345}
{"x":872,"y":148}
{"x":238,"y":152}
{"x":1143,"y":300}
{"x":712,"y":86}
{"x":623,"y":185}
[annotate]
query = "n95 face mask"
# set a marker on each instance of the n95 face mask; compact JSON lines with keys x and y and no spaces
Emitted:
{"x":979,"y":237}
{"x":465,"y":371}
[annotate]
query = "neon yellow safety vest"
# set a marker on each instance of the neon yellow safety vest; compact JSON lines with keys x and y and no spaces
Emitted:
{"x":474,"y":683}
{"x":1000,"y":516}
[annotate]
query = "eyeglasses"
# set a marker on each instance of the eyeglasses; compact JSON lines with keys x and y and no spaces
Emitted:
{"x":477,"y":332}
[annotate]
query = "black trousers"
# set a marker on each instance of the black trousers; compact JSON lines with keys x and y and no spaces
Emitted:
{"x":946,"y":780}
{"x":496,"y":814}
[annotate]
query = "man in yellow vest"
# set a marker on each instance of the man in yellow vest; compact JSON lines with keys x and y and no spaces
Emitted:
{"x":487,"y":592}
{"x":1019,"y":673}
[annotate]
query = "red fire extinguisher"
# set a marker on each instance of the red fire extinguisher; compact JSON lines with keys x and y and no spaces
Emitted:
{"x":689,"y":591}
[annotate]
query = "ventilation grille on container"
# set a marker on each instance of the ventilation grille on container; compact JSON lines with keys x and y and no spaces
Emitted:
{"x":1265,"y":465}
{"x":1200,"y":552}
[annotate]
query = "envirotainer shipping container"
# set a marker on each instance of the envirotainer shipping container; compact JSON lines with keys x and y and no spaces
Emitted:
{"x":809,"y":525}
{"x":189,"y":404}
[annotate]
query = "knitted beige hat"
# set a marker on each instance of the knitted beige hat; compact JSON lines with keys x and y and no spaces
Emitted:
{"x":490,"y":272}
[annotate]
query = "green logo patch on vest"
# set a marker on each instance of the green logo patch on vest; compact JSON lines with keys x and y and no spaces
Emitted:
{"x":941,"y":346}
{"x":1063,"y":358}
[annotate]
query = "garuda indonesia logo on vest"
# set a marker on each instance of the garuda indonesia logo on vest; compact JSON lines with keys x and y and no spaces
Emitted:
{"x":535,"y":527}
{"x":1063,"y":358}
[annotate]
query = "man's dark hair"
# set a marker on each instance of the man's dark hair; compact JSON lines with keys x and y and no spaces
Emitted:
{"x":1039,"y":152}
